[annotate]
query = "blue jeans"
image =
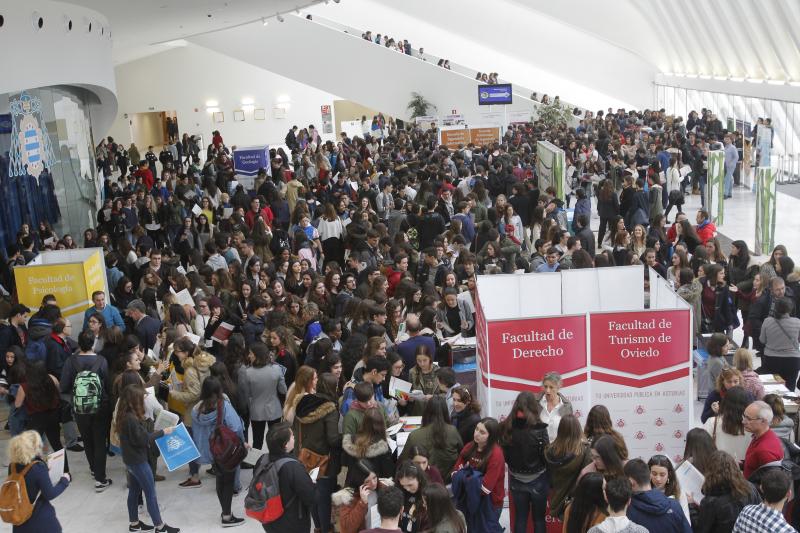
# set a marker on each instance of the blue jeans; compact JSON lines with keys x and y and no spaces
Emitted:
{"x":140,"y":479}
{"x":728,"y":183}
{"x":529,"y":498}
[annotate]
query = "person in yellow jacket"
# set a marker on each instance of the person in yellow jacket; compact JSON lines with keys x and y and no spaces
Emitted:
{"x":196,"y":368}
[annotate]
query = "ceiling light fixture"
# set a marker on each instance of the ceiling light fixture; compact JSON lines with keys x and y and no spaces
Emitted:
{"x":705,"y":76}
{"x":755,"y":80}
{"x":280,"y":17}
{"x":776,"y":82}
{"x":794,"y":83}
{"x":264,"y":21}
{"x":720,"y":78}
{"x":736,"y":79}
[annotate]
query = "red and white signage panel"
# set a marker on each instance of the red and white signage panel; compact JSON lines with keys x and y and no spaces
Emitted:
{"x":523,"y":351}
{"x":640,"y":370}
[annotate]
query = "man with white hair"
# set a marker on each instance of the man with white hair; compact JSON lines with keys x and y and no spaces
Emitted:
{"x":765,"y":447}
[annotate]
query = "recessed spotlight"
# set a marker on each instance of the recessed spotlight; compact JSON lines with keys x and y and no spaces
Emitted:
{"x":264,"y":21}
{"x":280,"y":18}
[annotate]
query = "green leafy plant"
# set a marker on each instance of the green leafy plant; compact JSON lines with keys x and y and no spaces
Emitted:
{"x":554,"y":115}
{"x":419,"y":106}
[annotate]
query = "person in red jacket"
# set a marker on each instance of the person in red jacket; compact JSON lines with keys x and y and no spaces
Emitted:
{"x":255,"y":211}
{"x":144,"y":172}
{"x":394,"y":275}
{"x":765,"y":447}
{"x":485,"y":455}
{"x":706,"y":229}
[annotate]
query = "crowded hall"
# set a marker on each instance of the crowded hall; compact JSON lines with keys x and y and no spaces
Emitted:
{"x":474,"y":291}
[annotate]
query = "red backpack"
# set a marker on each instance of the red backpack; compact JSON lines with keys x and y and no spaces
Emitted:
{"x":263,"y":501}
{"x":225,"y":446}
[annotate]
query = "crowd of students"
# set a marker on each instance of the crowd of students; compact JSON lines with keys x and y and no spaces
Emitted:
{"x":350,"y":263}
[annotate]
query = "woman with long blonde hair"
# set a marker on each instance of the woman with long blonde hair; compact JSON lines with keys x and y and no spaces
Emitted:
{"x":305,"y":382}
{"x":25,"y":455}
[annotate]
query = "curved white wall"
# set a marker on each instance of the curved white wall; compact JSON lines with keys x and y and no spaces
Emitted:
{"x":35,"y":57}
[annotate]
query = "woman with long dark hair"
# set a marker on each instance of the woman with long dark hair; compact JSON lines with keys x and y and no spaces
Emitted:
{"x":413,"y":482}
{"x":369,"y":442}
{"x":663,"y":479}
{"x":437,"y":435}
{"x":719,"y":313}
{"x":442,"y":515}
{"x":353,"y":503}
{"x":524,"y":440}
{"x":725,"y":493}
{"x":485,"y":455}
{"x":598,"y":423}
{"x":699,"y":449}
{"x":213,"y":404}
{"x":135,"y":441}
{"x":466,"y":412}
{"x":566,"y":456}
{"x":605,"y":458}
{"x":588,"y":506}
{"x":316,"y":424}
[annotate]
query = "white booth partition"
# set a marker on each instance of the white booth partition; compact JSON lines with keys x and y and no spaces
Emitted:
{"x":610,"y":344}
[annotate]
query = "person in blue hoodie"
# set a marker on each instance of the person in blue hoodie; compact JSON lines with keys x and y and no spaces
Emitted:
{"x":204,"y":420}
{"x":649,"y":507}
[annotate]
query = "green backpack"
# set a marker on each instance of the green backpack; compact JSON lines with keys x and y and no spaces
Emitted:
{"x":87,"y":390}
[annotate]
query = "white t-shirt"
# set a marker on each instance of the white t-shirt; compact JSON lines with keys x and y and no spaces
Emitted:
{"x":736,"y":445}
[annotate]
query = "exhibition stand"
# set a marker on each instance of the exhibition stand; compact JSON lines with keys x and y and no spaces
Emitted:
{"x":626,"y":349}
{"x":248,"y":161}
{"x":69,"y":275}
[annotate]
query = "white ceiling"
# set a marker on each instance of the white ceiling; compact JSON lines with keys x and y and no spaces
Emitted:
{"x":716,"y":38}
{"x":137,"y":26}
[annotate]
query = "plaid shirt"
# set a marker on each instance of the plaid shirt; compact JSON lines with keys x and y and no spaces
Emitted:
{"x":761,"y":519}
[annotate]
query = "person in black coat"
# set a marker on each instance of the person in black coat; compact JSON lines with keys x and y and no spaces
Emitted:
{"x":296,"y":488}
{"x":721,"y":315}
{"x":725,"y":493}
{"x":524,"y":440}
{"x":146,"y":327}
{"x":15,"y":333}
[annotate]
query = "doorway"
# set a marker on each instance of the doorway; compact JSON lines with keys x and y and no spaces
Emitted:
{"x":153,"y":129}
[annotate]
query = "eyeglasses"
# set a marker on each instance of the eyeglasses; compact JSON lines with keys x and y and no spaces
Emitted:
{"x":746,"y":418}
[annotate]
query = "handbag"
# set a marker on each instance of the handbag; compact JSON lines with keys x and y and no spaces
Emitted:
{"x":311,"y":459}
{"x":676,"y":197}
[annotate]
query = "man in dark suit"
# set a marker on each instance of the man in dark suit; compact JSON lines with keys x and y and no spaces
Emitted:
{"x":145,"y":327}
